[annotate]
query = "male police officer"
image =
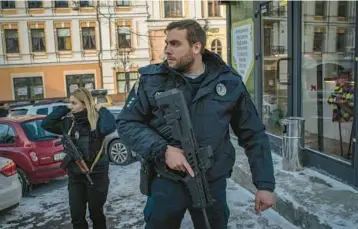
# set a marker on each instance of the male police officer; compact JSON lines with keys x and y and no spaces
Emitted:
{"x":216,"y":98}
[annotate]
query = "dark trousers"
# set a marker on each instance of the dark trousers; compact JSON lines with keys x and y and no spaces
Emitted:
{"x":81,"y":193}
{"x":169,"y":200}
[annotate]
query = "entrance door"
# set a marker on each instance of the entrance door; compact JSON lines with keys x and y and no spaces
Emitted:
{"x":275,"y":59}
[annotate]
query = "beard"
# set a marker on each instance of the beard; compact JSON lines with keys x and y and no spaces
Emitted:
{"x":185,"y":63}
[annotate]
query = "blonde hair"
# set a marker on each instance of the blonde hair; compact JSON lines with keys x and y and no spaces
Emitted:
{"x":84,"y":96}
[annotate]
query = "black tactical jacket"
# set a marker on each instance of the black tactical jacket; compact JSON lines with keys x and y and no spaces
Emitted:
{"x":221,"y":101}
{"x":57,"y":122}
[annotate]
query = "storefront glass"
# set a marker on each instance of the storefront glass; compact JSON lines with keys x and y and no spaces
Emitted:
{"x":274,"y":39}
{"x":328,"y":44}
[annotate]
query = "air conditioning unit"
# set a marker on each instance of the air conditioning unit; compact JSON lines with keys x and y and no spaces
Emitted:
{"x":97,"y":92}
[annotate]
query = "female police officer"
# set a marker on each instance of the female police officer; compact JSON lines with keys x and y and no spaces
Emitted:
{"x":87,"y":125}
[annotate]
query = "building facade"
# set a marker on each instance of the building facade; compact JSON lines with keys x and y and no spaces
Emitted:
{"x":50,"y":48}
{"x":298,"y":58}
{"x":210,"y":14}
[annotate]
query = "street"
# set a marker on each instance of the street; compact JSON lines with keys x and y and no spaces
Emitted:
{"x":47,"y":206}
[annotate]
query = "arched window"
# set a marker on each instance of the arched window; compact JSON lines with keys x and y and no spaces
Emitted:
{"x":216,"y":47}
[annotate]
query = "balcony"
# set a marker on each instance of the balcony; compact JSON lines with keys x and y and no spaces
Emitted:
{"x":271,"y":50}
{"x":274,"y":13}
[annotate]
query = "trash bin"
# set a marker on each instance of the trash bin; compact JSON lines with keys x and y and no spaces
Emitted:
{"x":293,"y":143}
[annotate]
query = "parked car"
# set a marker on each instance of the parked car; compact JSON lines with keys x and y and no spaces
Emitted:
{"x":117,"y":152}
{"x":101,"y":96}
{"x":41,"y":108}
{"x":32,"y":149}
{"x":10,"y":186}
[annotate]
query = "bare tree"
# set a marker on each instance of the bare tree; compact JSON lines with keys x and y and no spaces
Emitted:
{"x":123,"y":57}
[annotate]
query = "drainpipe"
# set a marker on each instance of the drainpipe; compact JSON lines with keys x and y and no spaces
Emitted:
{"x":100,"y":43}
{"x":228,"y":32}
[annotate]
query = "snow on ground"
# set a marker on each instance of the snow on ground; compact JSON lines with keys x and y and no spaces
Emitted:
{"x":47,"y":206}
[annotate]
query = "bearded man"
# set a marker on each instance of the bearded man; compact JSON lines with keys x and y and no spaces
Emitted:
{"x":216,"y":98}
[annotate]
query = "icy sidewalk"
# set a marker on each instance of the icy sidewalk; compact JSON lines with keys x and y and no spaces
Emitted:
{"x":308,"y":199}
{"x":47,"y":207}
{"x":242,"y":215}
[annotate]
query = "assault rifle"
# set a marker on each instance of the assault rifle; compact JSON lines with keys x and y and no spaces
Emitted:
{"x":177,"y":116}
{"x":73,"y":155}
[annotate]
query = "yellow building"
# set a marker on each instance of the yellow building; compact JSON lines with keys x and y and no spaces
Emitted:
{"x":49,"y":48}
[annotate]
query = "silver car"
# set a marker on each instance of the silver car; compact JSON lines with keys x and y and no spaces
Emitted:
{"x":117,"y":152}
{"x":10,"y":186}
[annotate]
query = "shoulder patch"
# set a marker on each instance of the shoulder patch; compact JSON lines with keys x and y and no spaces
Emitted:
{"x":131,"y":101}
{"x":234,"y":71}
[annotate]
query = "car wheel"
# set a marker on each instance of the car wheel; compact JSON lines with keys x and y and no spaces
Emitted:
{"x":119,"y":154}
{"x":25,"y":183}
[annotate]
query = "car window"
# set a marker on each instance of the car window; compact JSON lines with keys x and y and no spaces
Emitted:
{"x":42,"y":111}
{"x":102,"y":100}
{"x":7,"y":134}
{"x":35,"y":132}
{"x":18,"y":112}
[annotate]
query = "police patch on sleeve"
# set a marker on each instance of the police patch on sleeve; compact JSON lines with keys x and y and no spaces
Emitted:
{"x":221,"y":89}
{"x":133,"y":96}
{"x":131,"y":101}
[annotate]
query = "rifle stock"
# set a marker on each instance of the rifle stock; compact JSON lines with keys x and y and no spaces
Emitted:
{"x":178,"y":117}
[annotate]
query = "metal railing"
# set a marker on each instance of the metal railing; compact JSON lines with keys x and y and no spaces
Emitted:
{"x":270,"y":50}
{"x":275,"y":11}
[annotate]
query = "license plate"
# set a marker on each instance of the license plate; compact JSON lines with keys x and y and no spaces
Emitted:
{"x":59,"y":156}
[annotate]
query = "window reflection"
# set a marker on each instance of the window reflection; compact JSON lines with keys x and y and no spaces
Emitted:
{"x":275,"y":66}
{"x":327,"y":76}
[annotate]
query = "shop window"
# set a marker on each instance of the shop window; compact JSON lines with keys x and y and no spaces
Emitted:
{"x":34,"y":4}
{"x":328,"y":85}
{"x":38,"y":40}
{"x":8,"y":4}
{"x":61,"y":4}
{"x":81,"y":80}
{"x":124,"y":37}
{"x":11,"y":41}
{"x":87,"y":3}
{"x":216,"y":47}
{"x":27,"y":88}
{"x":121,"y":81}
{"x":320,"y":7}
{"x":64,"y":39}
{"x":123,"y":3}
{"x":173,"y":8}
{"x":89,"y":38}
{"x":213,"y":8}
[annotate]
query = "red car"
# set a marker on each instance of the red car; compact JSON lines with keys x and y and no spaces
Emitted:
{"x":32,"y":149}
